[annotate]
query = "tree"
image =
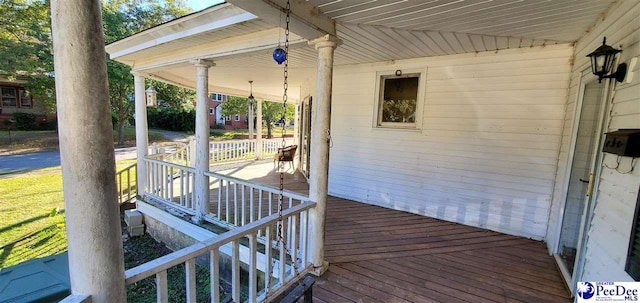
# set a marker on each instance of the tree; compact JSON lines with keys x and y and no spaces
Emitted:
{"x":271,"y":111}
{"x":122,"y":18}
{"x":26,"y":48}
{"x":171,"y":95}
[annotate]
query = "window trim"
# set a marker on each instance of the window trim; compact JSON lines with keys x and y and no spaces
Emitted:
{"x":236,"y":118}
{"x":22,"y":91}
{"x":17,"y":97}
{"x":377,"y":109}
{"x":212,"y":111}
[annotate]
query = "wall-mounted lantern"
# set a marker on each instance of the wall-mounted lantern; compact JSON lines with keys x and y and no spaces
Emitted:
{"x":151,"y":97}
{"x":602,"y":62}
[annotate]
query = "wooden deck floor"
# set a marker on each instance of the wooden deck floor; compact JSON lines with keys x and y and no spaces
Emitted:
{"x":382,"y":255}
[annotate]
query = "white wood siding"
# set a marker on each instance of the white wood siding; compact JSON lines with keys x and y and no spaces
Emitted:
{"x":488,"y":149}
{"x":608,"y":235}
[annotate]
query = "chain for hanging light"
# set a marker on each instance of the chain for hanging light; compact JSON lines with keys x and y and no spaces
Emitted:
{"x":282,"y":56}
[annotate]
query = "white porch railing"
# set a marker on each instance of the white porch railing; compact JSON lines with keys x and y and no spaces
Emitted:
{"x":239,"y":202}
{"x":233,"y":150}
{"x":180,"y":155}
{"x":126,"y":184}
{"x":282,"y":268}
{"x":171,"y":183}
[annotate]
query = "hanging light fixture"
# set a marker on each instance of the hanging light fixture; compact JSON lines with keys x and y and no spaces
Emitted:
{"x":602,"y":62}
{"x":251,"y":99}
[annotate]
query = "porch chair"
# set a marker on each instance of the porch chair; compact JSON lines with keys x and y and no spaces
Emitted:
{"x":286,"y":154}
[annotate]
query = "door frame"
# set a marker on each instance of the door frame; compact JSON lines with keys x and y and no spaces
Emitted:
{"x":571,"y":278}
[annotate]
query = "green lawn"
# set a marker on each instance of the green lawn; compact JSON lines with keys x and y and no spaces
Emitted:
{"x":35,"y":140}
{"x":32,"y":215}
{"x":222,"y":134}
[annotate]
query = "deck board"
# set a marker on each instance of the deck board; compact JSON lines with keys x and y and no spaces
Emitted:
{"x":382,"y":255}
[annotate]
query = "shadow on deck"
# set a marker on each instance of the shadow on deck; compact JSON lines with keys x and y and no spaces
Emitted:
{"x":383,"y":255}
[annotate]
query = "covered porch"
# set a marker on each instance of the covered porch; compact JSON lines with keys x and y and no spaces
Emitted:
{"x":478,"y":141}
{"x":378,"y":254}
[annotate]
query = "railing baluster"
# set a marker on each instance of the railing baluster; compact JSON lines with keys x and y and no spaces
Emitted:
{"x":129,"y":184}
{"x":182,"y":200}
{"x":259,"y":204}
{"x":283,"y":256}
{"x":190,"y":275}
{"x":227,"y":208}
{"x":120,"y":188}
{"x":289,"y":223}
{"x":251,"y":204}
{"x":188,"y":190}
{"x":162,"y":294}
{"x":304,"y":221}
{"x":171,"y":185}
{"x":244,"y":206}
{"x":235,"y":272}
{"x":214,"y":266}
{"x":253,"y":268}
{"x":268,"y":258}
{"x":235,"y":204}
{"x":220,"y":184}
{"x":293,"y":244}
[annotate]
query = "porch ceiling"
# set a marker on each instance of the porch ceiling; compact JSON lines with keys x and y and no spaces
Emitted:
{"x":372,"y":31}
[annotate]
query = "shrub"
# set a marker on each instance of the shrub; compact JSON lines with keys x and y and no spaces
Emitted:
{"x":169,"y":118}
{"x":25,"y":121}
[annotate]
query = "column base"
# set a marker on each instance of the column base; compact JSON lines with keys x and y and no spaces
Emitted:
{"x":197,"y":220}
{"x":320,"y":270}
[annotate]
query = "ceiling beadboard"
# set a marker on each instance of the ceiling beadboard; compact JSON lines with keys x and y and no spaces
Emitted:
{"x":558,"y":20}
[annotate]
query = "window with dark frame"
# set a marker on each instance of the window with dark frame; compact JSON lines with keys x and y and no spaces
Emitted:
{"x":25,"y":99}
{"x":236,"y":118}
{"x":398,"y":100}
{"x":9,"y":96}
{"x":633,"y":256}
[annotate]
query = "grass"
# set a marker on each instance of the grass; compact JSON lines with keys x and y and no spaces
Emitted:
{"x":222,"y":134}
{"x":32,"y":215}
{"x":21,"y":141}
{"x":31,"y":226}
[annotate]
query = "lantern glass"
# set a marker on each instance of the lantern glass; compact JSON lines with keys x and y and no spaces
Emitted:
{"x":602,"y":59}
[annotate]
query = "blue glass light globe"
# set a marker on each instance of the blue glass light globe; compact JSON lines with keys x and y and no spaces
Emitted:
{"x":279,"y":55}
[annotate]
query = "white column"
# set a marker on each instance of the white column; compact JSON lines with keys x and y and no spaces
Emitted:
{"x":296,"y":125}
{"x":142,"y":131}
{"x":319,"y":177}
{"x":96,"y":265}
{"x":259,"y":128}
{"x":250,"y":119}
{"x":202,"y":138}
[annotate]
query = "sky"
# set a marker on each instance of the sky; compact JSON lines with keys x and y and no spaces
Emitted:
{"x":197,"y":5}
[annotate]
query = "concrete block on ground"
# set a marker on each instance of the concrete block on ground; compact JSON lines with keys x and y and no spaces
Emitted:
{"x":132,"y":217}
{"x":137,"y":230}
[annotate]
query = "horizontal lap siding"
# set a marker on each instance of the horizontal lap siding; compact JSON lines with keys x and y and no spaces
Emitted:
{"x":488,"y":149}
{"x":608,"y":235}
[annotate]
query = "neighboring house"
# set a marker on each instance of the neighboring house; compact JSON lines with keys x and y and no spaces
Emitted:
{"x":216,"y":117}
{"x":15,"y":99}
{"x":481,"y":113}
